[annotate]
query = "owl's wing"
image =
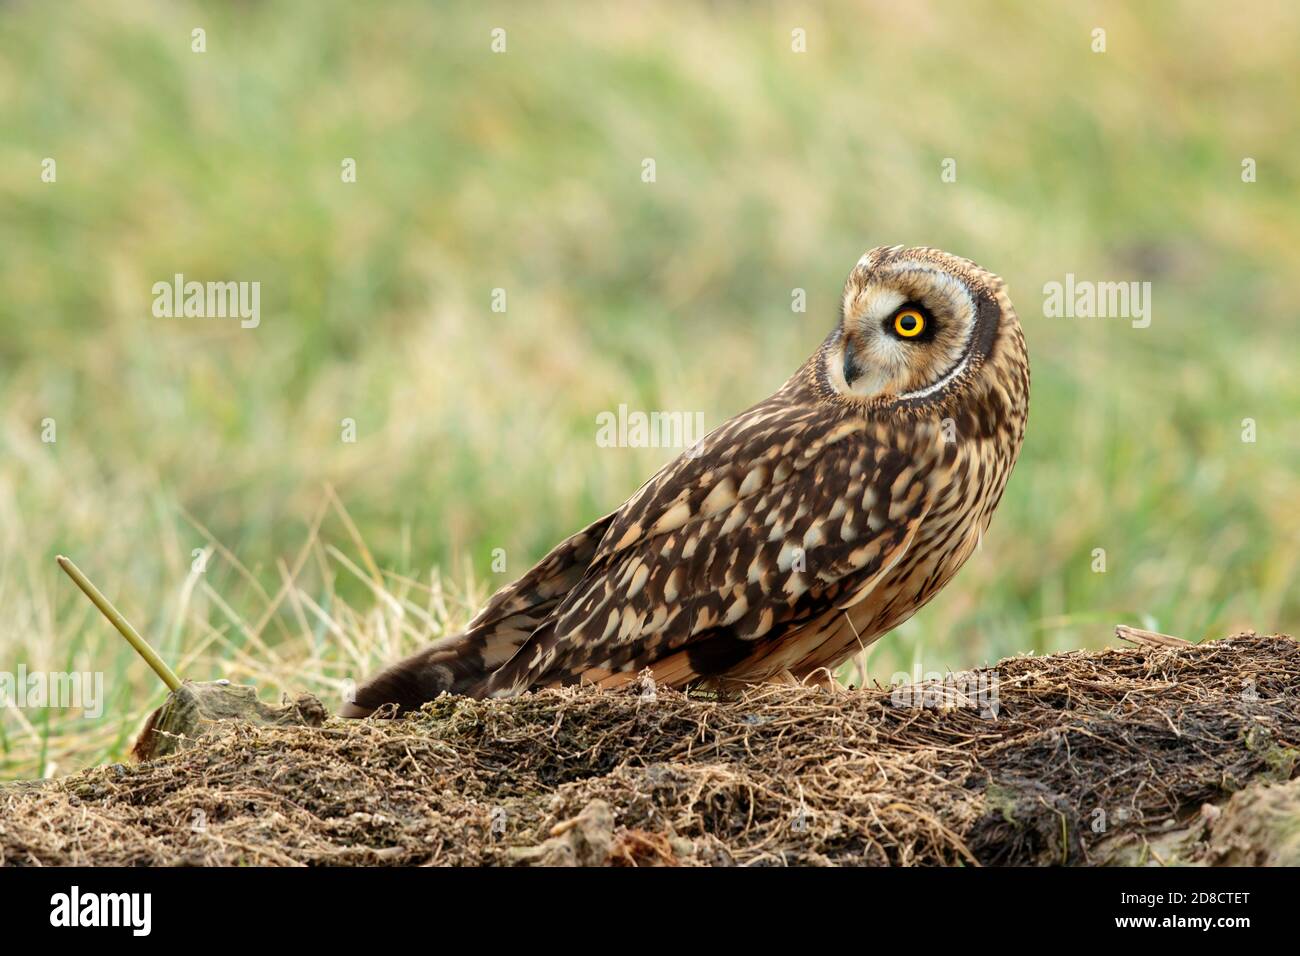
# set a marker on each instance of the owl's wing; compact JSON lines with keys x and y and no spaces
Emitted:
{"x":787,"y":511}
{"x":516,"y":611}
{"x":458,"y":664}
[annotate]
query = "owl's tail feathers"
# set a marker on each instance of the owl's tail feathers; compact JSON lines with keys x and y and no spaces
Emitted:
{"x":454,"y":665}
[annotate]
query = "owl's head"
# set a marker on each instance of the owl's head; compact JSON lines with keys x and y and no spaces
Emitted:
{"x":917,"y":327}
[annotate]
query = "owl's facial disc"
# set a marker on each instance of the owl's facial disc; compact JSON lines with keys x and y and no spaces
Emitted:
{"x":908,"y":329}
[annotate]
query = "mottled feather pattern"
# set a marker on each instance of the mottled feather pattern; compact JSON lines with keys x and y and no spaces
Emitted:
{"x":753,"y":535}
{"x":459,"y":664}
{"x":796,"y":532}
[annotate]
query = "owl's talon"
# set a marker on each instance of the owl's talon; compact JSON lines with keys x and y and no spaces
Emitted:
{"x":823,"y":678}
{"x":782,"y":678}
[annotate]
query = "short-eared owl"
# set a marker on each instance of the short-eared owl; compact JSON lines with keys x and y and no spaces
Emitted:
{"x":797,"y":532}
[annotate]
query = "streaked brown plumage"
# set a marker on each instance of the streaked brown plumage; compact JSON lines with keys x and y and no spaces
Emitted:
{"x":799,"y":531}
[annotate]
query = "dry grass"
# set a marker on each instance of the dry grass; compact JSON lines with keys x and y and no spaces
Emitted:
{"x":1137,"y":738}
{"x":301,"y":634}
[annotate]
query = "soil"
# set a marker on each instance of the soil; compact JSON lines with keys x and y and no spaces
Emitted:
{"x":1162,"y":753}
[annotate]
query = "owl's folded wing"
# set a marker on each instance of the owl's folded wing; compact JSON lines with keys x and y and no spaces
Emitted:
{"x":782,"y":518}
{"x":460,"y":663}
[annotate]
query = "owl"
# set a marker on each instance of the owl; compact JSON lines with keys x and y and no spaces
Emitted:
{"x":791,"y":536}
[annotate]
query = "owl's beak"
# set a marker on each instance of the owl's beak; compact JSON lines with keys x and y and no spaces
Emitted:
{"x":852,"y":367}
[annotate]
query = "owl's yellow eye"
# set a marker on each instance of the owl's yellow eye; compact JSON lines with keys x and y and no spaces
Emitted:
{"x":909,"y":323}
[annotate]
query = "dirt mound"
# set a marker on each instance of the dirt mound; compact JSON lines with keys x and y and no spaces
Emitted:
{"x":1124,"y":755}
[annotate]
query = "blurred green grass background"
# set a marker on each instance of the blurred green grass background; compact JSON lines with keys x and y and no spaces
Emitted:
{"x":522,"y":171}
